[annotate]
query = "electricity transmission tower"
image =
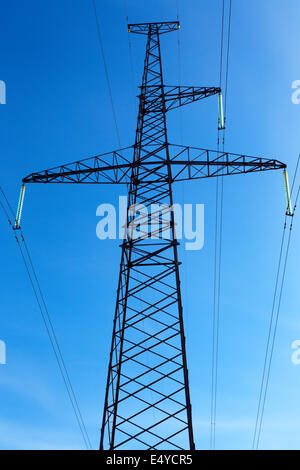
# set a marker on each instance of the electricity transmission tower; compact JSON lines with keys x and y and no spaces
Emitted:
{"x":147,"y":399}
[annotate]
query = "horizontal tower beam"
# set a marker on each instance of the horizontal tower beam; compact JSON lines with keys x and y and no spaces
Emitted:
{"x":161,"y":27}
{"x":174,"y":96}
{"x":188,"y":163}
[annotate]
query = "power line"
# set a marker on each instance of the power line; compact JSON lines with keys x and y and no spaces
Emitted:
{"x":227,"y":67}
{"x":106,"y":71}
{"x":179,"y":72}
{"x":31,"y":273}
{"x":213,"y":360}
{"x":221,"y":48}
{"x":132,"y":69}
{"x":218,"y":241}
{"x":55,"y":338}
{"x":214,"y":327}
{"x":272,"y":330}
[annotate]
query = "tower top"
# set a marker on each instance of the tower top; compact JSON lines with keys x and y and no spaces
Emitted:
{"x":161,"y":27}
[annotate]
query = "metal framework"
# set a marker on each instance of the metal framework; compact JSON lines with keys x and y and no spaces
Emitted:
{"x":147,"y":399}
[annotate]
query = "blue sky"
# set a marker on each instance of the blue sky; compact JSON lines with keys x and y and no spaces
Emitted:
{"x":58,"y":110}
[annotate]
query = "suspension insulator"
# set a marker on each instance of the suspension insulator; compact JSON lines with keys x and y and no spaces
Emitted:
{"x":289,"y":210}
{"x":20,"y":206}
{"x":221,"y":114}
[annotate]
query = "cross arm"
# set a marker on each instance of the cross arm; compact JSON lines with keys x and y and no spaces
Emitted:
{"x":187,"y":163}
{"x":112,"y":167}
{"x":161,"y":27}
{"x":191,"y":163}
{"x":175,"y":96}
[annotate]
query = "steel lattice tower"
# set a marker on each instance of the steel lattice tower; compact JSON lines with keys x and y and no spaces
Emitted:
{"x":147,"y":399}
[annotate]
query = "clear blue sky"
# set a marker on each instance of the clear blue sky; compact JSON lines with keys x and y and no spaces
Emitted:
{"x":58,"y":110}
